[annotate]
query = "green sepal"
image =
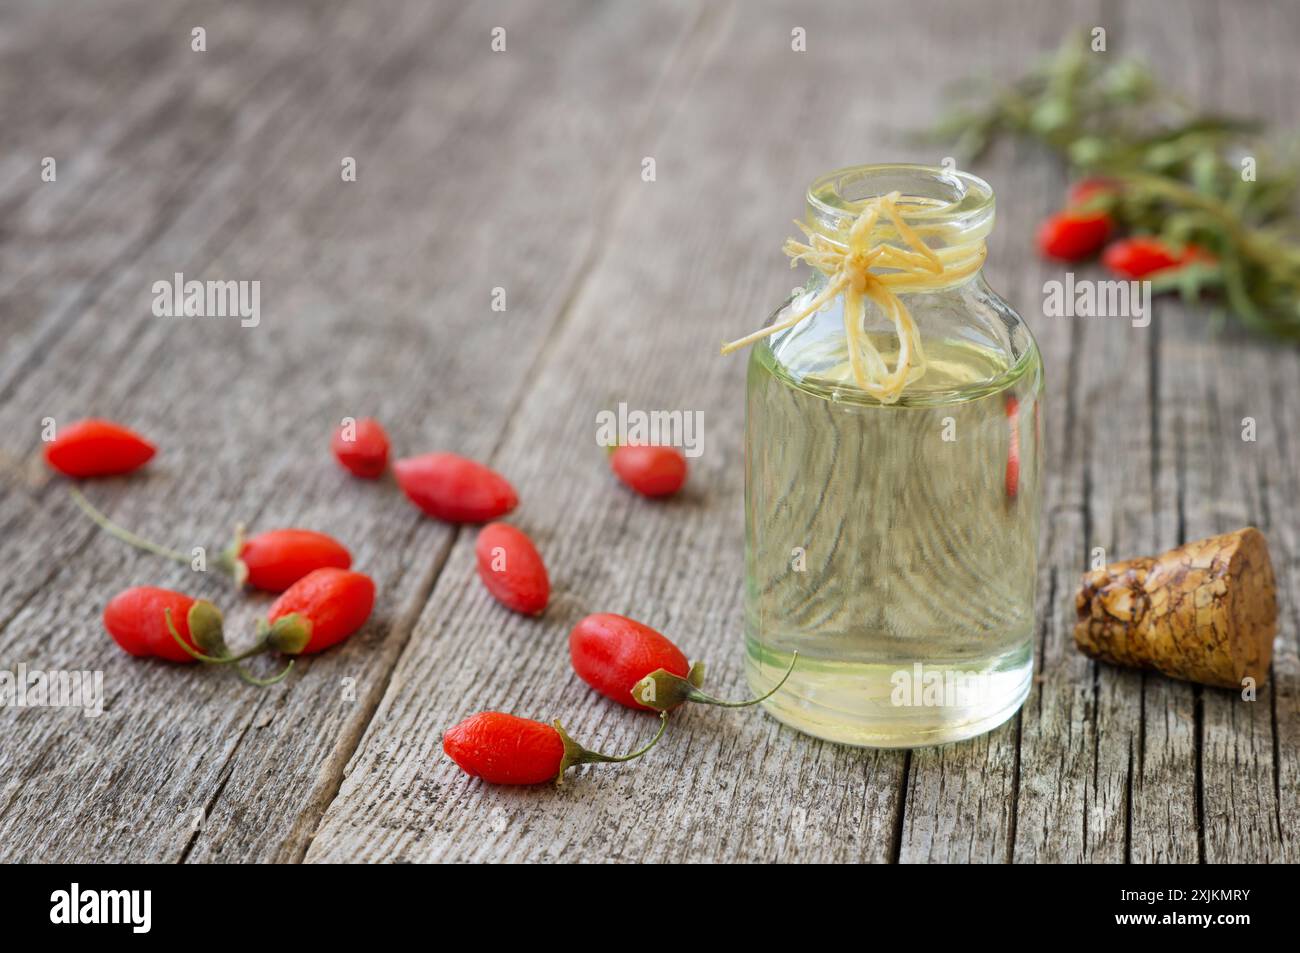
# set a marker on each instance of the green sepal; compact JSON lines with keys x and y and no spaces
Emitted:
{"x":289,"y":634}
{"x":230,"y":562}
{"x":206,"y":627}
{"x":575,"y":754}
{"x":664,"y":691}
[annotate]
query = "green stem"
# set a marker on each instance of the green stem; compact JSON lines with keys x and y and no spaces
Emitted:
{"x":591,"y":757}
{"x":263,"y":682}
{"x":575,"y":753}
{"x":696,"y":695}
{"x":125,"y":535}
{"x":1180,"y":193}
{"x":257,"y":649}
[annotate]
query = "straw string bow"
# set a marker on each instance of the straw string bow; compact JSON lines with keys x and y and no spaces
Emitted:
{"x":848,"y":269}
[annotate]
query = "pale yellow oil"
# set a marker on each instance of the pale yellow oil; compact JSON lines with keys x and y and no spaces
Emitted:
{"x":893,"y":546}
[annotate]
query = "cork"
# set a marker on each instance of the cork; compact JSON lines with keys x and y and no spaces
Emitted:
{"x":1204,"y":612}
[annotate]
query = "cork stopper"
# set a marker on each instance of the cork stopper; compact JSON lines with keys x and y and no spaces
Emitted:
{"x":1204,"y":612}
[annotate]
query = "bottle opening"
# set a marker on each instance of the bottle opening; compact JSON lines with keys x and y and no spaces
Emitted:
{"x":948,"y":207}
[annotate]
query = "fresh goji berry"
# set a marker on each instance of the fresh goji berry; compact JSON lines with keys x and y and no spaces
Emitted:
{"x":273,"y":560}
{"x":512,"y":569}
{"x":1013,"y":447}
{"x":651,"y":470}
{"x":507,"y":749}
{"x":321,"y":609}
{"x":276,"y":559}
{"x":612,"y":653}
{"x":1071,"y":236}
{"x":639,"y":667}
{"x":1142,"y":256}
{"x":137,"y":620}
{"x":453,"y":488}
{"x":361,"y":447}
{"x":92,"y":448}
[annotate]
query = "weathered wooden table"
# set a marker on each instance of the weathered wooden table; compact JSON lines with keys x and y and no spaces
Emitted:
{"x":522,"y":170}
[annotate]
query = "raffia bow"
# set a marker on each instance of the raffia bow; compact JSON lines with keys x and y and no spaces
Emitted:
{"x":848,"y":268}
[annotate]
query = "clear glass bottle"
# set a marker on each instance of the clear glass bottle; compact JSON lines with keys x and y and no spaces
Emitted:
{"x":893,"y":545}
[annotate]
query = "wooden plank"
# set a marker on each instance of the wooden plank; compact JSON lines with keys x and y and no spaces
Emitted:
{"x":1144,"y":724}
{"x":1278,"y":476}
{"x":1071,"y":803}
{"x":1127,"y":517}
{"x":1208,"y":384}
{"x":407,"y":262}
{"x":963,"y":801}
{"x":1223,"y":384}
{"x":1069,"y":796}
{"x":1249,"y":745}
{"x":1265,"y":87}
{"x":1142,"y":800}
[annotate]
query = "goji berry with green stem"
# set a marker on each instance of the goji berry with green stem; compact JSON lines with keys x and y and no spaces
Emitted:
{"x":271,"y":561}
{"x":638,"y":667}
{"x":136,"y":618}
{"x":319,"y":610}
{"x":507,"y":749}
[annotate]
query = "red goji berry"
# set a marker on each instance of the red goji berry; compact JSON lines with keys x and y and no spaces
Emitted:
{"x":273,"y":560}
{"x":137,"y":620}
{"x":1138,"y":257}
{"x":361,"y":447}
{"x":507,"y":749}
{"x":651,"y":470}
{"x":276,"y":559}
{"x":321,"y":609}
{"x":612,"y":653}
{"x":512,"y":569}
{"x":1013,"y":447}
{"x":93,"y":448}
{"x":456,"y":489}
{"x":639,"y":667}
{"x":1071,"y":236}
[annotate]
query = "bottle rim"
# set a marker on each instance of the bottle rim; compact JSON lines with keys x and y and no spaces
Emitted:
{"x":946,"y":206}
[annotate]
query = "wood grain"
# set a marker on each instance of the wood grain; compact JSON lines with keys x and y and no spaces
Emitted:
{"x":522,"y":170}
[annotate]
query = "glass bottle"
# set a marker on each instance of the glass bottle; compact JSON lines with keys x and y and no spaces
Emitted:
{"x":893,"y":544}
